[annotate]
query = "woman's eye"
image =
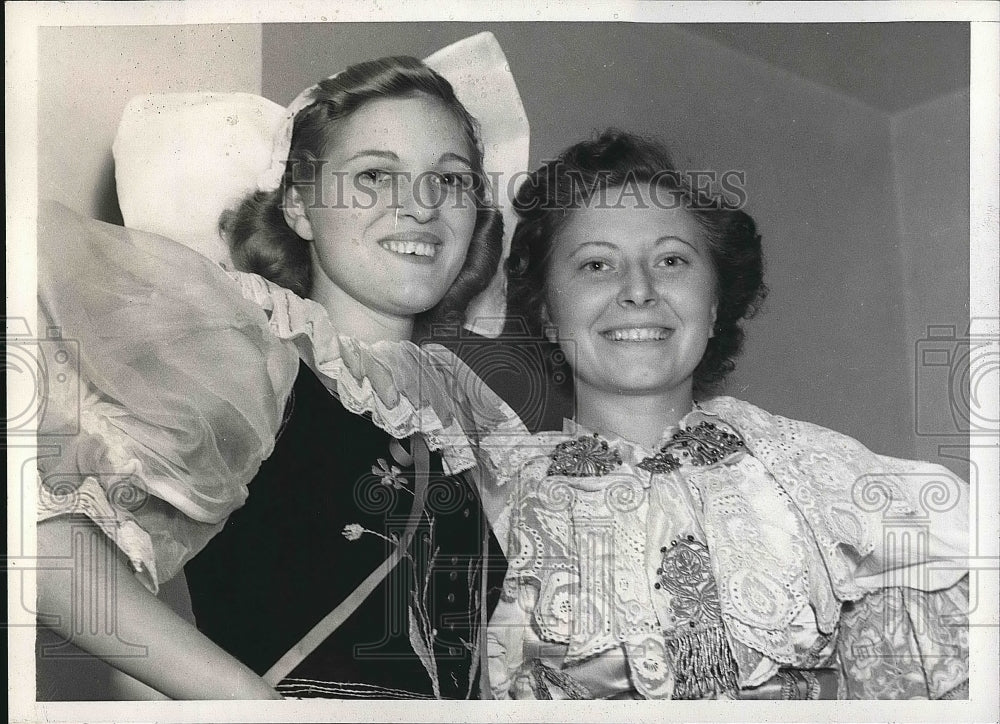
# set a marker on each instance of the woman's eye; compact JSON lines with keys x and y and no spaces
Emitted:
{"x":454,"y":180}
{"x":596,"y":265}
{"x":374,"y":177}
{"x":672,"y":261}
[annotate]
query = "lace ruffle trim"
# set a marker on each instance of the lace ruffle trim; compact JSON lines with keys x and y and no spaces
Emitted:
{"x":403,"y":387}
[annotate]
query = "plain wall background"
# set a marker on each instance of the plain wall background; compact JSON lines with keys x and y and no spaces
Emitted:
{"x":931,"y":161}
{"x":864,"y":212}
{"x":88,"y":74}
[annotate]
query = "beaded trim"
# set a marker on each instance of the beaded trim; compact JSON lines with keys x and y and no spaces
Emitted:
{"x":702,"y":660}
{"x":812,"y":684}
{"x":790,"y":684}
{"x":661,"y":462}
{"x":704,"y":444}
{"x":586,"y":456}
{"x":685,"y":573}
{"x":703,"y":664}
{"x":789,"y":689}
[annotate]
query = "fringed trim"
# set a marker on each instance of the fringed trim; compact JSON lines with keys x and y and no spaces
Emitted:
{"x":703,"y":664}
{"x":959,"y":692}
{"x":541,"y":675}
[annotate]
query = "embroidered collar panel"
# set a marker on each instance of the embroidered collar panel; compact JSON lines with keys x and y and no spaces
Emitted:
{"x":700,"y":438}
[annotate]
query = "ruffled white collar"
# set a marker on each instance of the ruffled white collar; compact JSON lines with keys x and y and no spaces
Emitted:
{"x":405,"y":388}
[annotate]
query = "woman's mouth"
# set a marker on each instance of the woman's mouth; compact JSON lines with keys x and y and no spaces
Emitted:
{"x":411,"y":248}
{"x":638,"y":334}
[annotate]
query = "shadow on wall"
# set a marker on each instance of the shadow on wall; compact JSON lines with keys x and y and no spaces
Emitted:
{"x":106,"y":196}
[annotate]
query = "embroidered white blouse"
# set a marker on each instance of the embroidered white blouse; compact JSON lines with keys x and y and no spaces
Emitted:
{"x":746,"y":543}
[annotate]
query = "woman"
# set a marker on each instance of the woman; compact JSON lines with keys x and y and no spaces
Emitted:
{"x":671,"y":544}
{"x":357,"y":560}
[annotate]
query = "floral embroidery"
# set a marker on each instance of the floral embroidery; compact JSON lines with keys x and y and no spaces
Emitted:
{"x":792,"y":477}
{"x":697,"y":645}
{"x":651,"y":667}
{"x":584,"y":457}
{"x":704,"y":444}
{"x":390,"y":475}
{"x":662,"y":462}
{"x":561,"y":606}
{"x":421,"y":632}
{"x":685,"y":573}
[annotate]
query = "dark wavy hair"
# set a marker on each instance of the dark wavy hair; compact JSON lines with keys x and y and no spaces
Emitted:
{"x":617,"y":159}
{"x":262,"y":242}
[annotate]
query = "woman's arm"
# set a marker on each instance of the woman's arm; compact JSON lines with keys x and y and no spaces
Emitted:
{"x":179,"y":660}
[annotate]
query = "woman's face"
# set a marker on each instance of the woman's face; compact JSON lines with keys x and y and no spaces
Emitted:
{"x":394,"y":223}
{"x":632,"y":293}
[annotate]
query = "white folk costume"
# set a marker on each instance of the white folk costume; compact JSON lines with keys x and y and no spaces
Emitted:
{"x":748,"y":552}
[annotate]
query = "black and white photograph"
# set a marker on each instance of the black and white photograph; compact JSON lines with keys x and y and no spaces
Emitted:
{"x":373,"y":363}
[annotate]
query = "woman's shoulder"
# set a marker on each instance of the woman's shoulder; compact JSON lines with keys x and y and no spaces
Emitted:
{"x":856,"y":503}
{"x":524,"y":458}
{"x":778,"y":436}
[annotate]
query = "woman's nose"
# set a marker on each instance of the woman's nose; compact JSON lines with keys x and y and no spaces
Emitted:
{"x":419,"y":199}
{"x":637,"y":289}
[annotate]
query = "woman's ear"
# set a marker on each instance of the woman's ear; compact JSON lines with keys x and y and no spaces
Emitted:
{"x":294,"y":210}
{"x":711,"y":328}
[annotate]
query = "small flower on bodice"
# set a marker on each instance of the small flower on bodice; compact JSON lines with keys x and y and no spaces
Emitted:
{"x":390,"y":475}
{"x":352,"y":531}
{"x":584,"y":457}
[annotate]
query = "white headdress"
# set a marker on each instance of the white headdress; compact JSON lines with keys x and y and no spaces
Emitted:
{"x":211,"y":149}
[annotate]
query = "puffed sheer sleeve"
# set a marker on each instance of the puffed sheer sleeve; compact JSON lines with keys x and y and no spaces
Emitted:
{"x":162,"y":395}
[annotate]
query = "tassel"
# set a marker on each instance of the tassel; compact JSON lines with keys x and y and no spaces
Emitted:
{"x":542,"y":675}
{"x":703,"y":664}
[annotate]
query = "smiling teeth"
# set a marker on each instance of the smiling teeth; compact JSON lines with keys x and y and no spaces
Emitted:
{"x":417,"y":248}
{"x":644,"y":334}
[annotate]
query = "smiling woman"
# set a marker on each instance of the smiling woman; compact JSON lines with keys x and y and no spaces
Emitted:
{"x":383,"y":249}
{"x":366,"y":145}
{"x":633,"y":288}
{"x":640,"y":251}
{"x":663,"y":547}
{"x":380,"y":255}
{"x":277,"y":434}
